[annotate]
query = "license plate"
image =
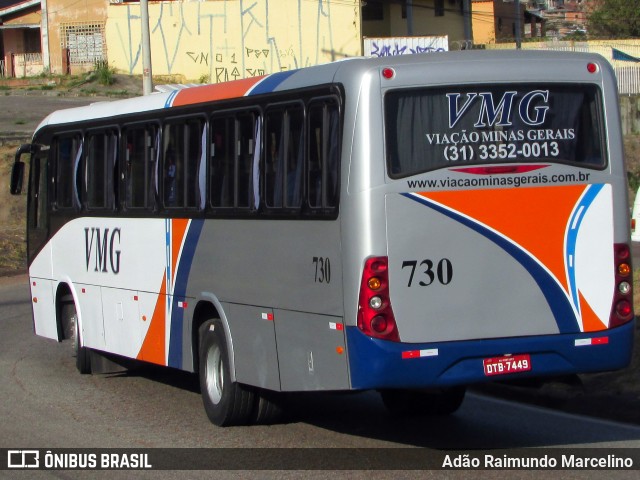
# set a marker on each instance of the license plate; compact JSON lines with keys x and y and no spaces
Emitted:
{"x":506,"y":365}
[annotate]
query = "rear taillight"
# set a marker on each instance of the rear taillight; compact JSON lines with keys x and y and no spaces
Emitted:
{"x":375,"y":316}
{"x":622,"y":310}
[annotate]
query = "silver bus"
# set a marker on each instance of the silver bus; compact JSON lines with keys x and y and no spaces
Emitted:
{"x":411,"y":225}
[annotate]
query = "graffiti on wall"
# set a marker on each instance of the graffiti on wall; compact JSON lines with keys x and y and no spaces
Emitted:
{"x":391,"y":47}
{"x":231,"y":39}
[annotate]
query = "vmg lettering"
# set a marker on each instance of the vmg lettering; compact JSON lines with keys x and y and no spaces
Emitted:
{"x":102,"y":249}
{"x":532,"y":108}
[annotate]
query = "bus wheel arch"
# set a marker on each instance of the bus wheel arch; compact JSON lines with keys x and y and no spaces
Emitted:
{"x":209,"y":309}
{"x":226,"y":402}
{"x":69,"y":327}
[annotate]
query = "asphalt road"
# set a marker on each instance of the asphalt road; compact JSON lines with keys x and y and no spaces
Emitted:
{"x":45,"y":403}
{"x":22,"y":111}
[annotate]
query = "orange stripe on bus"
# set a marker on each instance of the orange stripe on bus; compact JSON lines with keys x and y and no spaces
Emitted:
{"x":218,"y":91}
{"x":590,"y":321}
{"x":535,"y":218}
{"x":153,"y":347}
{"x":178,"y":230}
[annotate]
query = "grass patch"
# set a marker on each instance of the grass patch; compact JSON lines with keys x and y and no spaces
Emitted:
{"x":104,"y":73}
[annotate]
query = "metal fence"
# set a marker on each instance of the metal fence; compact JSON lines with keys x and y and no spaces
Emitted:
{"x":624,"y":56}
{"x":628,"y":80}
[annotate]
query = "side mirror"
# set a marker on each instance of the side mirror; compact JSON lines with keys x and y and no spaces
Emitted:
{"x":17,"y":172}
{"x":17,"y":177}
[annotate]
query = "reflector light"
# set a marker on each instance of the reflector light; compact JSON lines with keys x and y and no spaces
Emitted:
{"x":379,"y":324}
{"x":375,"y":302}
{"x":388,"y":73}
{"x":592,"y":67}
{"x":622,"y":251}
{"x":582,"y":342}
{"x":624,"y":288}
{"x":623,"y":308}
{"x":624,"y":269}
{"x":375,"y":283}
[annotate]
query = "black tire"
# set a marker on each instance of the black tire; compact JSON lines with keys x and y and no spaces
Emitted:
{"x":226,"y":403}
{"x":72,"y":330}
{"x":412,"y":403}
{"x":268,"y":408}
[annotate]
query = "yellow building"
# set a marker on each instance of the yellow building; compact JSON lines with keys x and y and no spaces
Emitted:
{"x":226,"y":40}
{"x":214,"y":40}
{"x":483,"y":22}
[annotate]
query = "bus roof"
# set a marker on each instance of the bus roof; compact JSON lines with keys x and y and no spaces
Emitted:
{"x":347,"y":69}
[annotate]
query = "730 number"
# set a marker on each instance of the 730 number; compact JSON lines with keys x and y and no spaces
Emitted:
{"x":428,"y":271}
{"x":323,"y":269}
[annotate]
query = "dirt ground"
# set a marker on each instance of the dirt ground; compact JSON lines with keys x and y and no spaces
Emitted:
{"x":613,"y":396}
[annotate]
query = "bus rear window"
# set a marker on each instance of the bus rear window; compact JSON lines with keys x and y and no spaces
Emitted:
{"x":432,"y":128}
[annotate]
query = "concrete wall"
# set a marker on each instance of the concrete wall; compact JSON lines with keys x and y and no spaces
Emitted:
{"x":229,"y":39}
{"x":630,"y":114}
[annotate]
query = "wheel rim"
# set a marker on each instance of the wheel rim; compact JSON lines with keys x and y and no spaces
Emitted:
{"x":73,"y":323}
{"x":215,"y":374}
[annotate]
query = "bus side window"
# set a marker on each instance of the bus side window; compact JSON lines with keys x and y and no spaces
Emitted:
{"x":233,"y":163}
{"x":68,"y":149}
{"x":323,"y":159}
{"x":284,"y":155}
{"x":221,"y":162}
{"x":139,"y":166}
{"x":183,"y":149}
{"x":247,"y":132}
{"x":99,"y":169}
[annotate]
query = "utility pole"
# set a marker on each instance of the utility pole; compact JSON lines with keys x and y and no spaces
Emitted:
{"x":518,"y":31}
{"x":466,"y":18}
{"x":147,"y":79}
{"x":409,"y":8}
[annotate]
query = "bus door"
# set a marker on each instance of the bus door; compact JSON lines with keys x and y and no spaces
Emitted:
{"x":42,"y":294}
{"x":37,"y":208}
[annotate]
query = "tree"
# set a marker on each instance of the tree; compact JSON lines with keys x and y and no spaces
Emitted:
{"x":615,"y":19}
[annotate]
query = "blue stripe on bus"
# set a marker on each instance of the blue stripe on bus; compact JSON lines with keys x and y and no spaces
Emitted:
{"x":554,"y":294}
{"x":270,"y":83}
{"x":169,"y":100}
{"x":572,"y":236}
{"x":375,"y":363}
{"x":180,"y":291}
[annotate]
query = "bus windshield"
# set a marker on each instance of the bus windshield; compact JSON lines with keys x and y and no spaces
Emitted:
{"x":430,"y":128}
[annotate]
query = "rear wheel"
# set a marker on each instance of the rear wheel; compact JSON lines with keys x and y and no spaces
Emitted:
{"x":441,"y":401}
{"x":72,"y":330}
{"x":268,"y":408}
{"x":226,"y":402}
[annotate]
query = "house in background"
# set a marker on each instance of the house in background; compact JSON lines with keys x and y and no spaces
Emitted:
{"x":495,"y":21}
{"x":56,"y":36}
{"x":421,"y":18}
{"x":20,"y":33}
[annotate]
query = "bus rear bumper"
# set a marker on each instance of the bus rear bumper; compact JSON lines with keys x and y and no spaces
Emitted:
{"x":377,"y":363}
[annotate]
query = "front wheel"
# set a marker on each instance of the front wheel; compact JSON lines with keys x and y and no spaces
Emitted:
{"x":72,"y":331}
{"x":226,"y":402}
{"x":441,"y":401}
